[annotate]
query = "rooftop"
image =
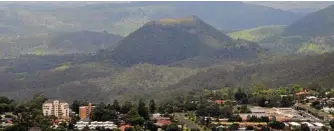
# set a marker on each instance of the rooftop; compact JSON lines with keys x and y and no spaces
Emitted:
{"x":51,"y":101}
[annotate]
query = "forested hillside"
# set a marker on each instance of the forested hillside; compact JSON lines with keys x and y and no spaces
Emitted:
{"x":59,"y":43}
{"x":278,"y":72}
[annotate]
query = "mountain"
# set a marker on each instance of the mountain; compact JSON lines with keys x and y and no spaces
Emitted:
{"x":82,"y":41}
{"x":228,"y":15}
{"x":24,"y":25}
{"x":123,"y":18}
{"x":59,"y":43}
{"x":312,"y":34}
{"x":304,"y":7}
{"x":169,"y":40}
{"x":320,"y":23}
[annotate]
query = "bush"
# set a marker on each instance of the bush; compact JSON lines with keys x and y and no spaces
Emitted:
{"x":331,"y":123}
{"x":277,"y":125}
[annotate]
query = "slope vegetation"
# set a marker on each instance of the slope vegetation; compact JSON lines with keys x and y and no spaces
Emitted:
{"x":58,"y":43}
{"x":279,"y":72}
{"x":259,"y":33}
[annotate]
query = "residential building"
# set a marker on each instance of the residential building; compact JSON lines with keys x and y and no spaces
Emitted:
{"x":85,"y":111}
{"x":257,"y":109}
{"x":219,"y":102}
{"x":95,"y":124}
{"x":163,"y":122}
{"x":123,"y":127}
{"x":57,"y":108}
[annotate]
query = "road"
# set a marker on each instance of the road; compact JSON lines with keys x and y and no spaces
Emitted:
{"x":190,"y":124}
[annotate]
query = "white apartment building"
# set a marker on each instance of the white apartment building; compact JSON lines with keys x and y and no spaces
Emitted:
{"x":58,"y":108}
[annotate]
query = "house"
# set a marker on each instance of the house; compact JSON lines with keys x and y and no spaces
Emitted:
{"x":163,"y":122}
{"x":245,"y":116}
{"x":311,"y":98}
{"x":123,"y":127}
{"x":93,"y":125}
{"x":35,"y":129}
{"x":294,"y":124}
{"x":219,"y":102}
{"x":158,"y":116}
{"x":57,"y":108}
{"x":257,"y":109}
{"x":85,"y":111}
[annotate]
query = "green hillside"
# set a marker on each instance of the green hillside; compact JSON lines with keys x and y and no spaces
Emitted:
{"x":259,"y":33}
{"x":94,"y":81}
{"x":283,"y":71}
{"x":318,"y":45}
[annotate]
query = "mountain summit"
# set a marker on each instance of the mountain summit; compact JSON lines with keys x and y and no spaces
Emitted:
{"x":169,"y":40}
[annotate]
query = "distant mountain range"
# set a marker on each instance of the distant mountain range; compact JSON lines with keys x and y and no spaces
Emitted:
{"x":304,"y":7}
{"x":25,"y":25}
{"x":311,"y":34}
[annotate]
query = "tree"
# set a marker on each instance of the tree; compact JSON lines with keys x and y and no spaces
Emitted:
{"x":116,"y":106}
{"x":4,"y":100}
{"x":324,"y":128}
{"x":244,"y":109}
{"x":234,"y":127}
{"x":151,"y":126}
{"x":75,"y":106}
{"x":62,"y":127}
{"x":304,"y":127}
{"x":264,"y":119}
{"x":316,"y":105}
{"x":241,"y":96}
{"x":249,"y":128}
{"x":235,"y":118}
{"x":276,"y":125}
{"x":126,"y":107}
{"x":286,"y":101}
{"x":152,"y":106}
{"x":173,"y":127}
{"x":133,"y":117}
{"x":261,"y":101}
{"x":102,"y":113}
{"x":265,"y":128}
{"x":142,"y":110}
{"x":331,"y":123}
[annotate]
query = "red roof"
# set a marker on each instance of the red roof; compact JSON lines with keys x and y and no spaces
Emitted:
{"x":122,"y":127}
{"x":163,"y":122}
{"x":219,"y":101}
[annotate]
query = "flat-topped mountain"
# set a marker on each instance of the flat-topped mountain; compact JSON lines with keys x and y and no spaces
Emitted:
{"x":166,"y":41}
